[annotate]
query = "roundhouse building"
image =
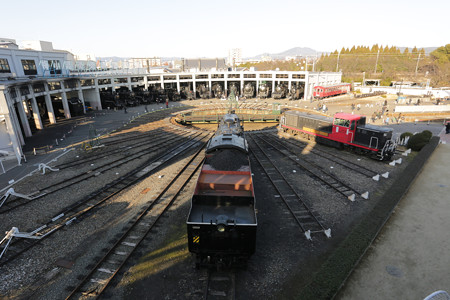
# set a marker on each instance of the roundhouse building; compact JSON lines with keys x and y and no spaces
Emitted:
{"x":32,"y":82}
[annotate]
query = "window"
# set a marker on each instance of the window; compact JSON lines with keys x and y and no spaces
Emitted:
{"x":54,"y":66}
{"x":341,"y":122}
{"x":298,"y":76}
{"x":29,"y":67}
{"x":4,"y":66}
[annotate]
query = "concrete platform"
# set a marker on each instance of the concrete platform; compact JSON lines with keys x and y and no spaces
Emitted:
{"x":410,"y":259}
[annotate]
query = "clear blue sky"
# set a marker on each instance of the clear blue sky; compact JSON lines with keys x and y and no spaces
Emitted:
{"x":200,"y":28}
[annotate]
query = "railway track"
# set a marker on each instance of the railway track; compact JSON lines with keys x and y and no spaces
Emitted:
{"x":314,"y":170}
{"x":92,"y":173}
{"x":106,"y":268}
{"x":336,"y":159}
{"x":220,"y":285}
{"x":94,"y":200}
{"x":308,"y":220}
{"x":134,"y":142}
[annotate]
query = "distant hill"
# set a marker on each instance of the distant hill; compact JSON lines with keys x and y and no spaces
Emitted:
{"x":297,"y":51}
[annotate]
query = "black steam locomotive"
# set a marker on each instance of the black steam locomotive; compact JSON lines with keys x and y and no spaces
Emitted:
{"x":264,"y":91}
{"x":280,"y":91}
{"x":249,"y":90}
{"x":222,"y":221}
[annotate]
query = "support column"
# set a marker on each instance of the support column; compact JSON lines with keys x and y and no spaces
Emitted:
{"x":305,"y":88}
{"x":130,"y":88}
{"x":210,"y":83}
{"x":178,"y":84}
{"x":98,"y":100}
{"x":225,"y":85}
{"x":257,"y":88}
{"x":146,"y":82}
{"x":24,"y":119}
{"x":194,"y":88}
{"x":35,"y":107}
{"x":16,"y":122}
{"x":6,"y":108}
{"x":65,"y":103}
{"x":242,"y":84}
{"x":24,"y":103}
{"x":49,"y":105}
{"x":80,"y":93}
{"x":23,"y":113}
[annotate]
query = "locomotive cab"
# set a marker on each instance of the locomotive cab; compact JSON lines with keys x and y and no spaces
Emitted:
{"x":344,"y":126}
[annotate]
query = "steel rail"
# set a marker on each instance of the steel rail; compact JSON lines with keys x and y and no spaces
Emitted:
{"x":318,"y":173}
{"x":339,"y":160}
{"x":297,"y":206}
{"x":95,"y":199}
{"x":57,"y":186}
{"x":99,"y":277}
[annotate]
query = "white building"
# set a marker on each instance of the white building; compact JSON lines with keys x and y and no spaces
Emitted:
{"x":34,"y":83}
{"x":18,"y":63}
{"x":234,"y":57}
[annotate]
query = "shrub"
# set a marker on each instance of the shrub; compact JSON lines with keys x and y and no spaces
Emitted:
{"x":417,"y":141}
{"x":405,"y":134}
{"x":428,"y":133}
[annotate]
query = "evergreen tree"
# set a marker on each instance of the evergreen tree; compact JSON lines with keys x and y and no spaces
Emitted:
{"x":441,"y":54}
{"x":375,"y":48}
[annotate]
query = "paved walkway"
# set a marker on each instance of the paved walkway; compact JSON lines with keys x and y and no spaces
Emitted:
{"x":410,"y":259}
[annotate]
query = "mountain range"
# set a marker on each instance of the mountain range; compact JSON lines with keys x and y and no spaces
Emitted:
{"x":296,"y":51}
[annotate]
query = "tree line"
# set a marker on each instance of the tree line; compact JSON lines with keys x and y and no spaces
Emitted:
{"x":387,"y":63}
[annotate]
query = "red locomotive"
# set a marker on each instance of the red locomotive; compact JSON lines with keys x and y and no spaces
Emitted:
{"x":321,"y":92}
{"x":345,"y":130}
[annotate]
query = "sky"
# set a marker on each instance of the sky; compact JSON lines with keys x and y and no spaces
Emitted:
{"x":200,"y":28}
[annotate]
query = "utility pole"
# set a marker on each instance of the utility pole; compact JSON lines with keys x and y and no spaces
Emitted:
{"x":417,"y":65}
{"x":337,"y":63}
{"x":376,"y":62}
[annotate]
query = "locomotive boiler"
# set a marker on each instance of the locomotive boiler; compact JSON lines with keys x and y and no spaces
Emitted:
{"x":249,"y":90}
{"x":203,"y":91}
{"x":296,"y":93}
{"x":280,"y":91}
{"x":217,"y":90}
{"x":344,"y":131}
{"x":222,"y":222}
{"x":264,"y":91}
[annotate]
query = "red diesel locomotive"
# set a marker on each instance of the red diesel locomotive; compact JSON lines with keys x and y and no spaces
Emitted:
{"x":321,"y":92}
{"x":344,"y":131}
